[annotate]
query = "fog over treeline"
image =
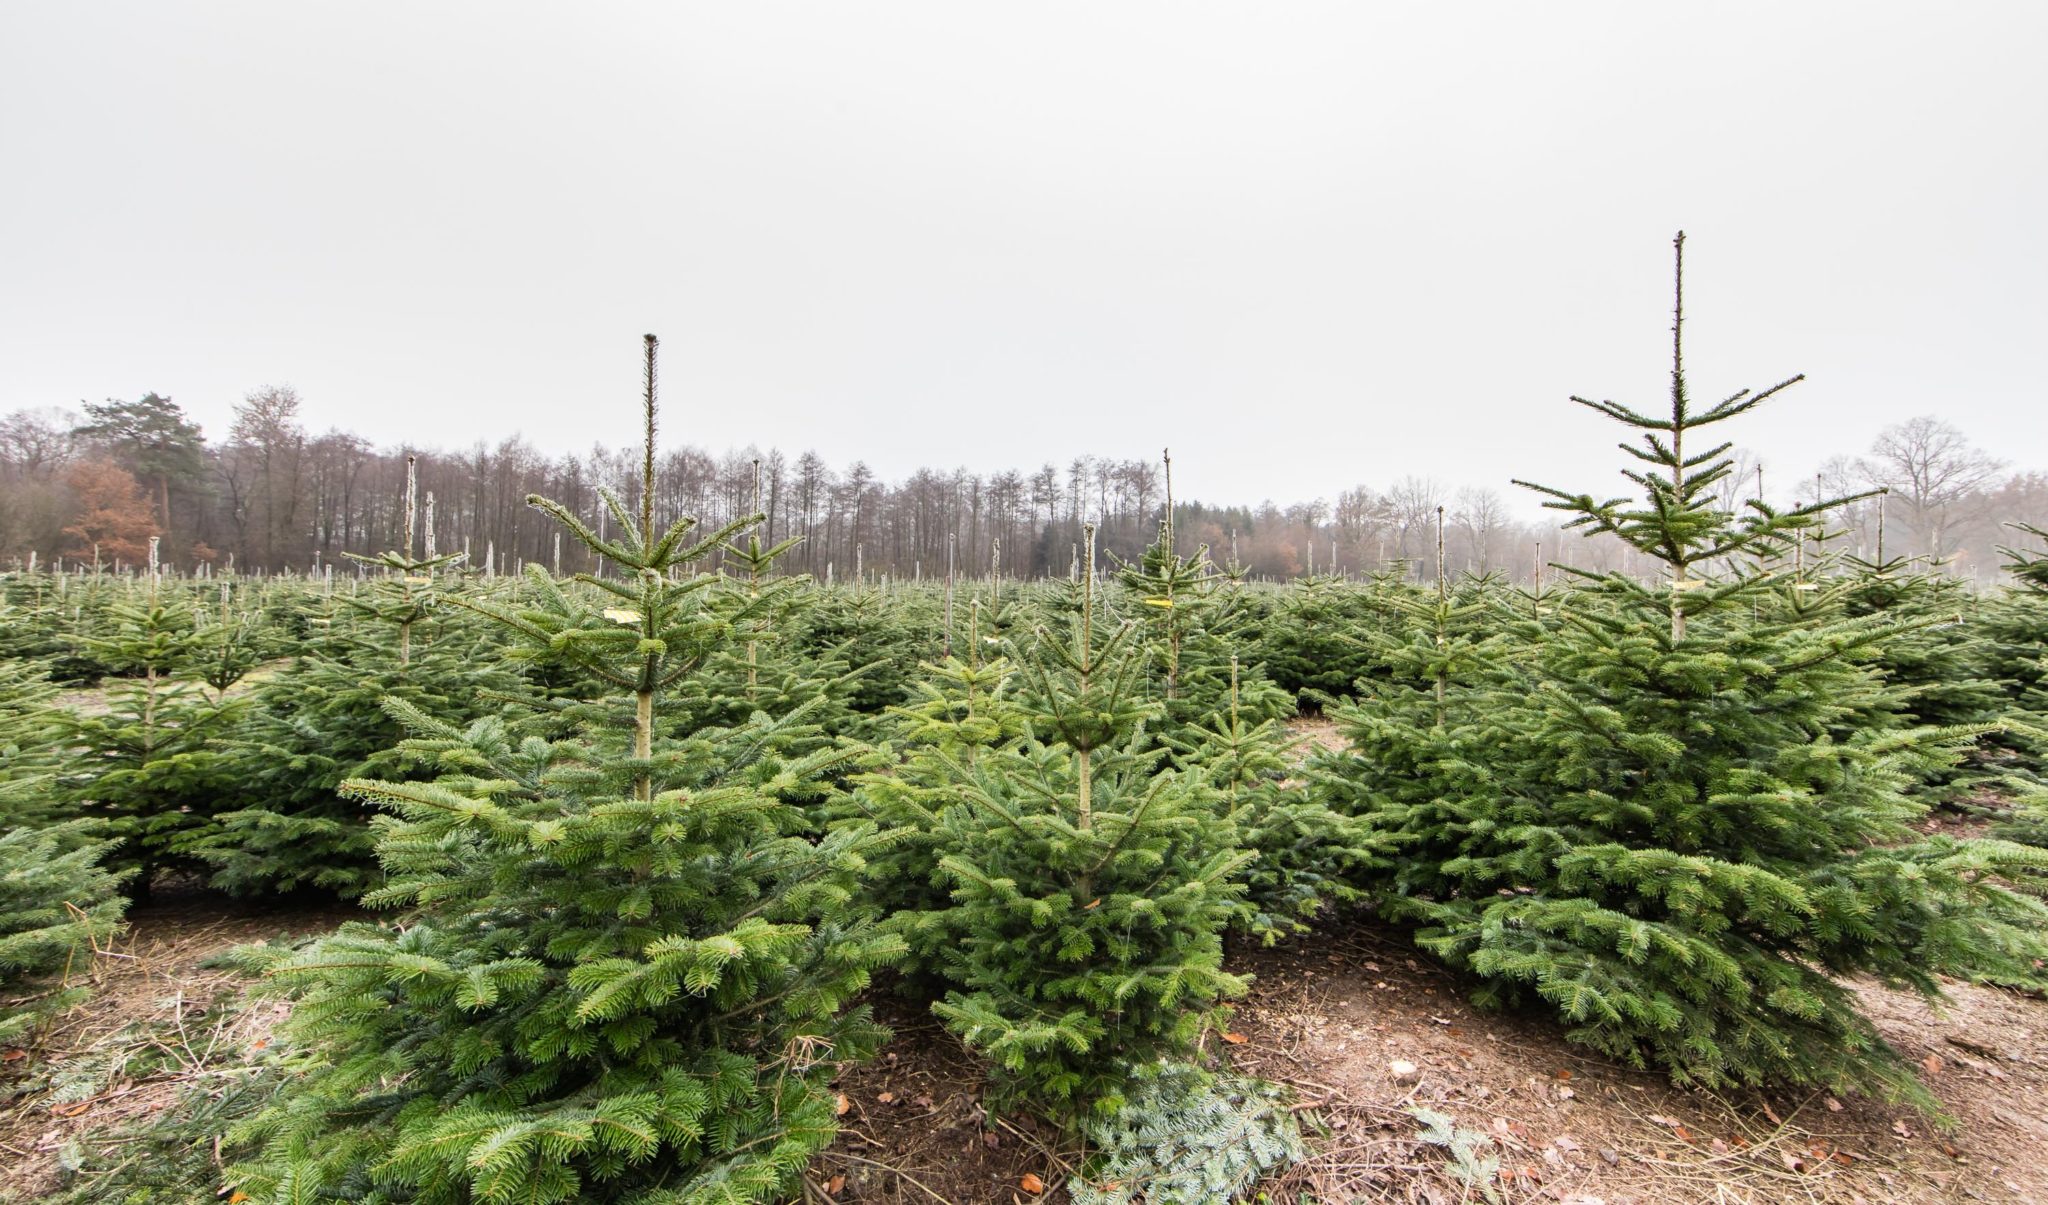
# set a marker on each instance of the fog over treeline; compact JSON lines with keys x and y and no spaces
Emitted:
{"x":91,"y":485}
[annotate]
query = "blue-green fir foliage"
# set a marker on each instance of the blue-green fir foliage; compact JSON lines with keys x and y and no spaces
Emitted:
{"x":1185,"y":1136}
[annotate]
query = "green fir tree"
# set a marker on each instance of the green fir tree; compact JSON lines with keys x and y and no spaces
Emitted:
{"x":626,"y":972}
{"x":1676,"y":841}
{"x":1091,"y":887}
{"x":2015,"y":627}
{"x":32,"y":736}
{"x":1192,"y":620}
{"x":147,"y":765}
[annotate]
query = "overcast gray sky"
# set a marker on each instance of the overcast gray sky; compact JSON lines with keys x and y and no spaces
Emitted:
{"x":1319,"y":244}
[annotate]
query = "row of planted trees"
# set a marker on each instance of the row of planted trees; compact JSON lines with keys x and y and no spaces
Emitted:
{"x":651,"y":836}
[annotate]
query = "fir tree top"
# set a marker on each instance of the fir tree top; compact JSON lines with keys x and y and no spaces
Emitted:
{"x":1676,"y":519}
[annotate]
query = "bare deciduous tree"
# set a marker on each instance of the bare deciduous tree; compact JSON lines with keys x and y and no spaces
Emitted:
{"x":1934,"y":475}
{"x":1480,"y":516}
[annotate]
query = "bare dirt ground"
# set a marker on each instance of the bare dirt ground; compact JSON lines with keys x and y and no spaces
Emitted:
{"x":1329,"y":1016}
{"x":1312,"y":734}
{"x":153,"y":1004}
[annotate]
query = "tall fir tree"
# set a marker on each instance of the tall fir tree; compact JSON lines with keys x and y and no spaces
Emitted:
{"x":626,"y":971}
{"x":1677,"y":844}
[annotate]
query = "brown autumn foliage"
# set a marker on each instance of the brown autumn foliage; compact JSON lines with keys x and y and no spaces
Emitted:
{"x":113,"y":515}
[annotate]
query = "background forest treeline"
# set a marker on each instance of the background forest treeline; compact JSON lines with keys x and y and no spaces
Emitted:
{"x":273,"y":496}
